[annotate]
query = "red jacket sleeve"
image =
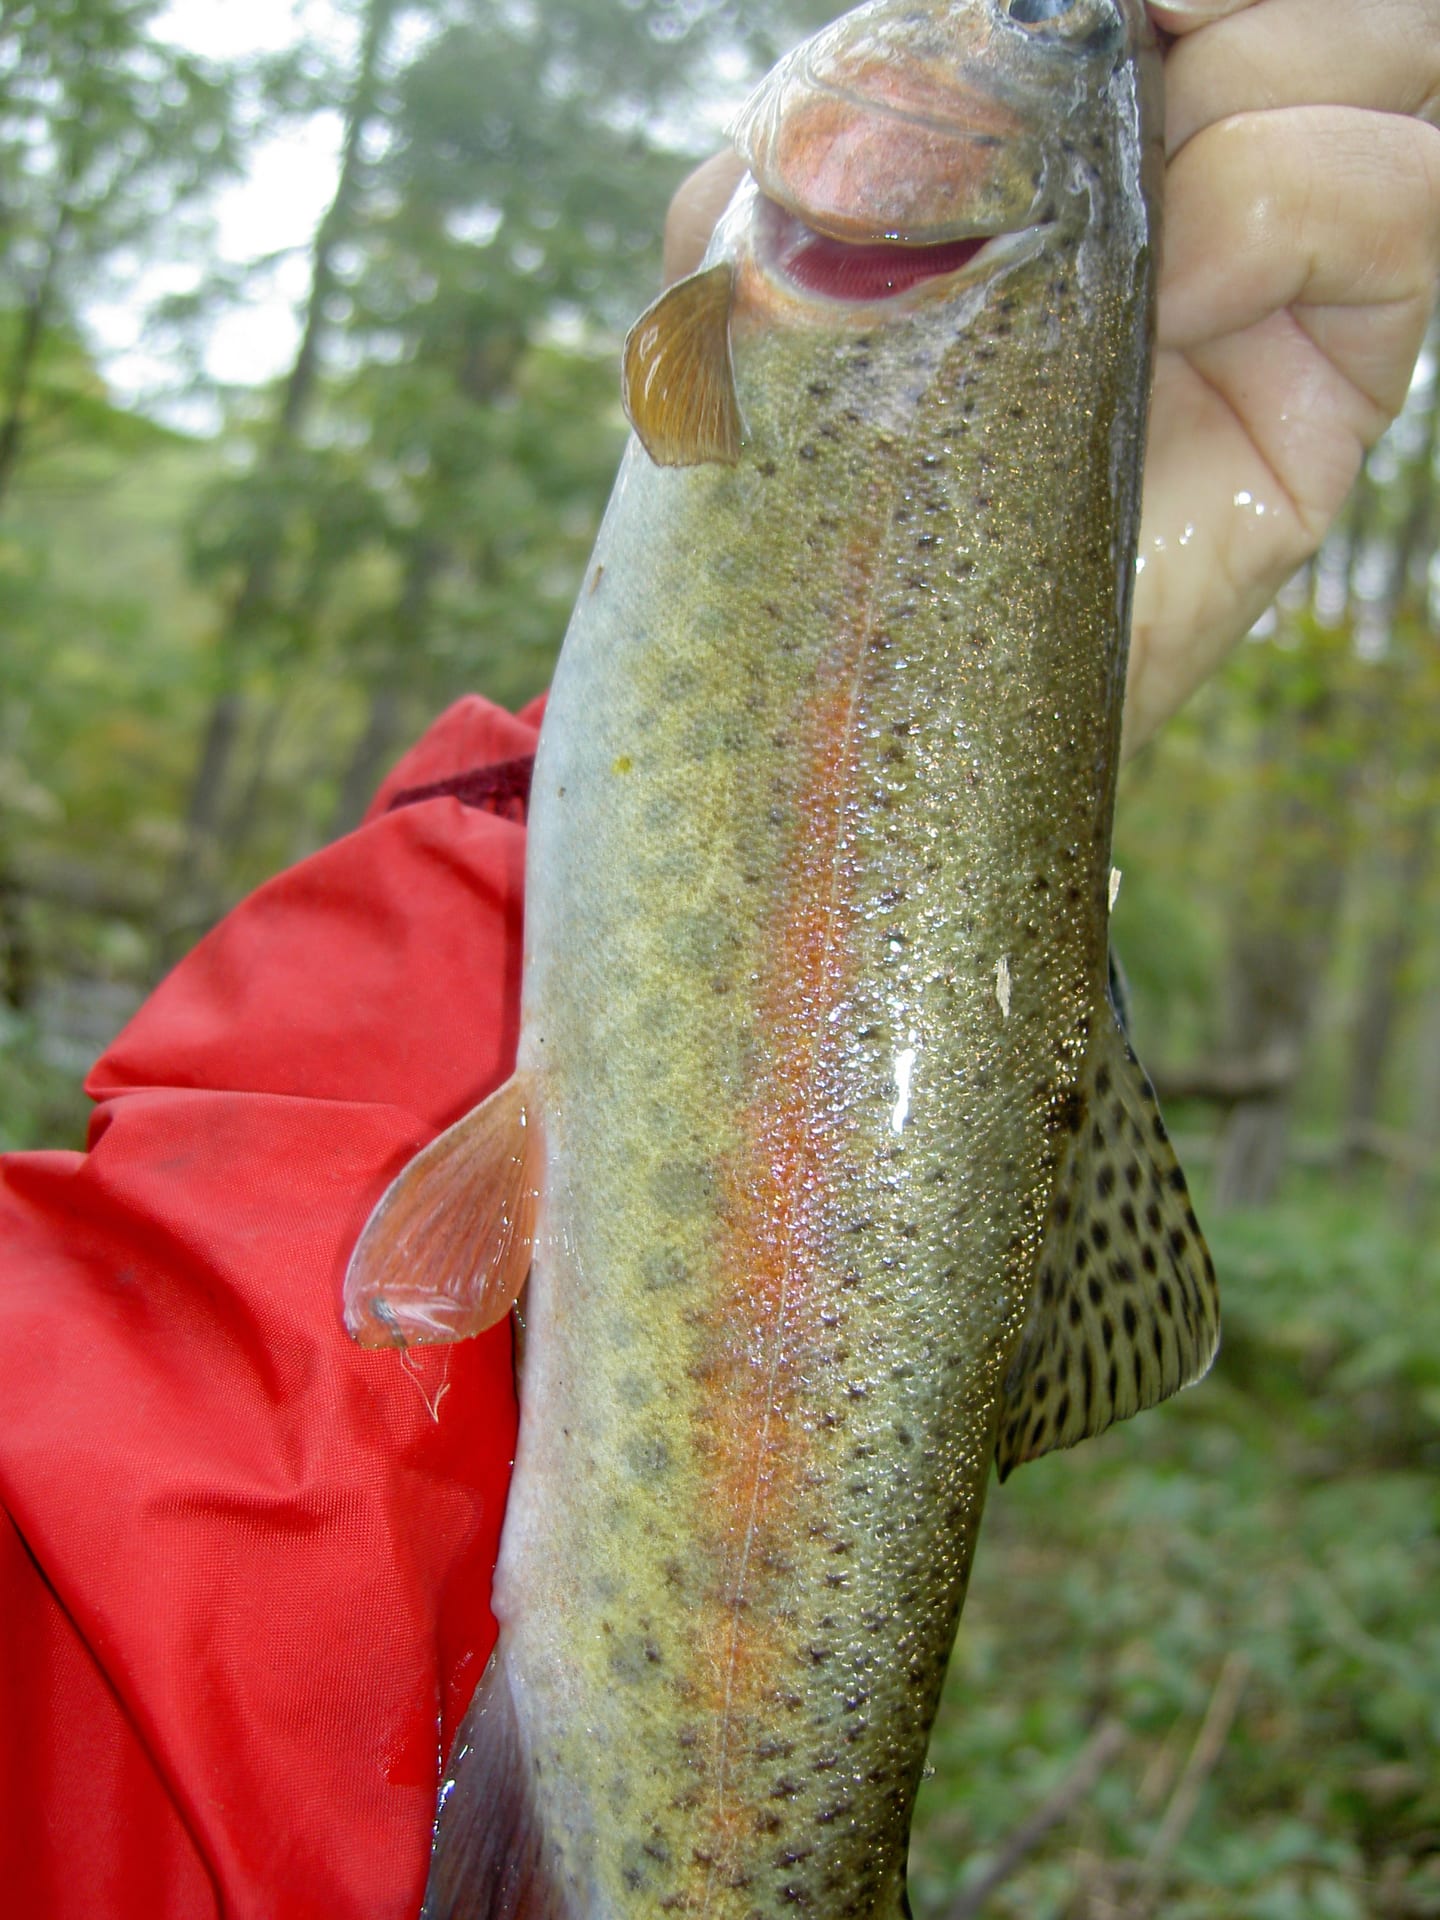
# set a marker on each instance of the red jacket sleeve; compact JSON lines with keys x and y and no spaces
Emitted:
{"x":245,"y":1566}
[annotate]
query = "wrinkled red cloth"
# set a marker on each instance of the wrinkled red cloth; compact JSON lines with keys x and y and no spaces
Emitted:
{"x":245,"y":1566}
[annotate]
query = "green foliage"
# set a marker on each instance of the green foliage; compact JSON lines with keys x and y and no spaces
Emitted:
{"x":107,"y":133}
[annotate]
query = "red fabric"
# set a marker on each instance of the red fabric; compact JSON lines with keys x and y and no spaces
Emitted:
{"x":245,"y":1566}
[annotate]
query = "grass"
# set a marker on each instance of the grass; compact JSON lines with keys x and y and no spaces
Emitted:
{"x":1280,"y":1526}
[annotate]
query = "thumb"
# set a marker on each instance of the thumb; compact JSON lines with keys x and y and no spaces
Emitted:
{"x":697,"y":205}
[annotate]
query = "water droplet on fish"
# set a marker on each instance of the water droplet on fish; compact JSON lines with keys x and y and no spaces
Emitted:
{"x":904,"y":1067}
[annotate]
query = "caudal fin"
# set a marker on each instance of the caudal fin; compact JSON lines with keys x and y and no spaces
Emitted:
{"x":489,"y":1859}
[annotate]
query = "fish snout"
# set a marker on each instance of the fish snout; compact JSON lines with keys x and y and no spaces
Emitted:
{"x":919,"y":124}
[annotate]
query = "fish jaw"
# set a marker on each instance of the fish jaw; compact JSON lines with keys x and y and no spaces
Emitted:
{"x":789,"y":273}
{"x":886,"y":128}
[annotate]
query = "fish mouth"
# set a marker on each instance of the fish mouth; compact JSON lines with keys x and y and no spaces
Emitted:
{"x":852,"y":272}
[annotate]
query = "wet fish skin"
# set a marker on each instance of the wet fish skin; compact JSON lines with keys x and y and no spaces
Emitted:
{"x":824,"y":1098}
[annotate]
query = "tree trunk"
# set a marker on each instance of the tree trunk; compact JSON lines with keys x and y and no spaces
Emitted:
{"x":369,"y":760}
{"x":17,"y":950}
{"x":254,"y":597}
{"x":35,"y":317}
{"x":1400,"y":694}
{"x":239,"y":821}
{"x":187,"y":905}
{"x":424,"y":563}
{"x":1289,"y":887}
{"x":1417,"y":1199}
{"x":1387,"y":960}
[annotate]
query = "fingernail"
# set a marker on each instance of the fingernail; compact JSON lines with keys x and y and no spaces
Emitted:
{"x":1198,"y":10}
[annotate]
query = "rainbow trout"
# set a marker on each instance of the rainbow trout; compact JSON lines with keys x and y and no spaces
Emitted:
{"x":834,"y":1177}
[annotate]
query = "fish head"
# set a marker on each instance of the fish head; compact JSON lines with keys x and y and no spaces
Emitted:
{"x":898,"y":161}
{"x":918,"y":125}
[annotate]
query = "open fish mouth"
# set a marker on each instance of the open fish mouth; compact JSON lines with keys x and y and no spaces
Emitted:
{"x":862,"y":272}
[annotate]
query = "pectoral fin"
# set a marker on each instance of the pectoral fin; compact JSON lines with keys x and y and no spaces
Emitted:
{"x":1125,"y":1310}
{"x":447,"y":1249}
{"x":679,"y":385}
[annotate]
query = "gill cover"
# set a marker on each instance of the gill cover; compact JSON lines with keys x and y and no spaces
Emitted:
{"x":892,"y":124}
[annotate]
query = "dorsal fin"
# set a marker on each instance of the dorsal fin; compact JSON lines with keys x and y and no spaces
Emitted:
{"x":447,"y":1249}
{"x":678,"y":382}
{"x":1125,"y":1310}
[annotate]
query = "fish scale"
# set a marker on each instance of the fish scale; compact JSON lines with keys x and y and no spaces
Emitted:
{"x":834,"y":1178}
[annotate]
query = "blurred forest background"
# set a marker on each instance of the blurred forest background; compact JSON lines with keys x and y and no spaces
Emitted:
{"x":1200,"y":1671}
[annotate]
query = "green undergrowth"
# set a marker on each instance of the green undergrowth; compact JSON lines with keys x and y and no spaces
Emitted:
{"x":1270,"y":1538}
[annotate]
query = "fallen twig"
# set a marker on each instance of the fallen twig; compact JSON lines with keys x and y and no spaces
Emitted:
{"x":1204,"y":1758}
{"x":1091,"y":1761}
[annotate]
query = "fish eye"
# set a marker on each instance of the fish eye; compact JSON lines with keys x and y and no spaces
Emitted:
{"x":1084,"y":25}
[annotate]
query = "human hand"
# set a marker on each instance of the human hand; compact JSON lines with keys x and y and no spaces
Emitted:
{"x":1301,"y":256}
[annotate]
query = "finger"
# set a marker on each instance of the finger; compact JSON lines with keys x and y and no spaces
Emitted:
{"x":698,"y":204}
{"x":1383,"y":54}
{"x":1319,"y":209}
{"x":1295,"y":303}
{"x":1210,"y":563}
